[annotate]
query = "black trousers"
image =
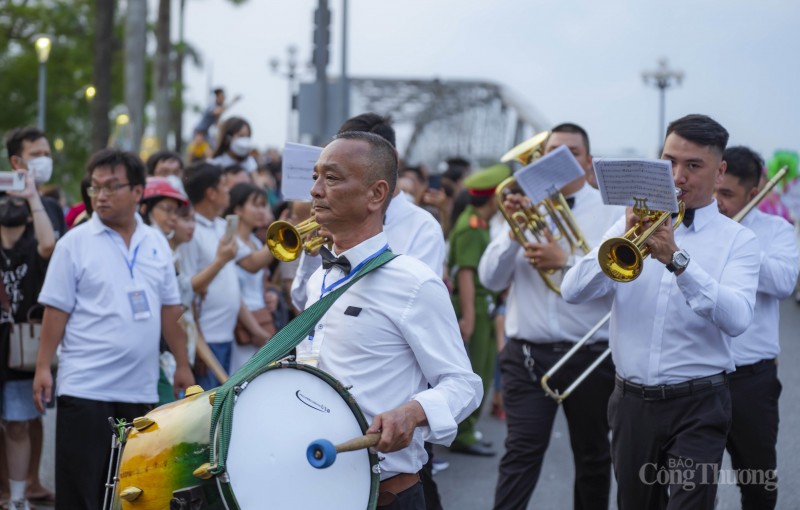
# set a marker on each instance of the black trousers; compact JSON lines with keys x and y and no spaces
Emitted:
{"x":755,"y":390}
{"x":410,"y":499}
{"x":429,"y":487}
{"x":83,"y":449}
{"x":529,"y":418}
{"x":667,"y":453}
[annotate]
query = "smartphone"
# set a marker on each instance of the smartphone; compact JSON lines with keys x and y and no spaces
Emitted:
{"x":12,"y":181}
{"x":435,"y":181}
{"x":231,"y":225}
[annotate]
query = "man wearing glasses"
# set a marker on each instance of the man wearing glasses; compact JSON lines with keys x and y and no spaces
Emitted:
{"x":109,"y":293}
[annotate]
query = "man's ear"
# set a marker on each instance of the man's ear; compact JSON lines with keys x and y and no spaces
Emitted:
{"x":17,"y":163}
{"x":378,"y":193}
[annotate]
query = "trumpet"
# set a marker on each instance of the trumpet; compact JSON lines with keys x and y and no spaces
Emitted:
{"x":559,"y":396}
{"x":535,"y":218}
{"x":285,"y":241}
{"x":622,"y":258}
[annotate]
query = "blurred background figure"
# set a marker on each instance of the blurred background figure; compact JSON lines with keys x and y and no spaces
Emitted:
{"x":235,"y":145}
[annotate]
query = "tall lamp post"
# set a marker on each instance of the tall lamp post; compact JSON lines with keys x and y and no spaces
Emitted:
{"x":42,"y":44}
{"x":662,"y":78}
{"x":290,"y":74}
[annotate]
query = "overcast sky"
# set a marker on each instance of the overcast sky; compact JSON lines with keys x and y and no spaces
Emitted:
{"x":578,"y":60}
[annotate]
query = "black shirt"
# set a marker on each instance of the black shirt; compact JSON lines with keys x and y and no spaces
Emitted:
{"x":23,"y":271}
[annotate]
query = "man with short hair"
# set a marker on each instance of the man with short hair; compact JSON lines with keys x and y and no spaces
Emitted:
{"x":110,"y":294}
{"x":377,"y":336}
{"x":754,"y":386}
{"x":29,"y":150}
{"x":164,"y":163}
{"x":670,"y":411}
{"x":541,"y":327}
{"x":208,"y":260}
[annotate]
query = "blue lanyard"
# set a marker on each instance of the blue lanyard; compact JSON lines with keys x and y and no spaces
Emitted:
{"x":349,"y":275}
{"x":324,"y":290}
{"x":129,"y":263}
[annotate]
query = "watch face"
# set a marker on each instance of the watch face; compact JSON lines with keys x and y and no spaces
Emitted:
{"x":680,"y":259}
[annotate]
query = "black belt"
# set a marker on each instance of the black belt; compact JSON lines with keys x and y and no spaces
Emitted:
{"x":668,"y":391}
{"x":564,"y":346}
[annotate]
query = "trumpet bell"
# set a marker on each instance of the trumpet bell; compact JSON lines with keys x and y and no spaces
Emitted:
{"x":620,"y":259}
{"x":284,"y":241}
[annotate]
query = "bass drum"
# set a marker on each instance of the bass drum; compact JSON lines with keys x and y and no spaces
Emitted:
{"x":275,"y":418}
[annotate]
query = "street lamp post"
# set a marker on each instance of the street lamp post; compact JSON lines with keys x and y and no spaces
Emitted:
{"x":662,"y":78}
{"x":290,"y":75}
{"x":42,"y":45}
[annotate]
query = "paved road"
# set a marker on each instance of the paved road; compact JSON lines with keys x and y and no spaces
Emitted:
{"x":469,"y":482}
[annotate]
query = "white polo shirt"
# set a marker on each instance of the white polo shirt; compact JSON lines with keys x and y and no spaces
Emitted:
{"x":106,"y":354}
{"x":220,"y":306}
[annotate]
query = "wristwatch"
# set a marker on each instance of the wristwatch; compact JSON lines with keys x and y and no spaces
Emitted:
{"x":680,"y":259}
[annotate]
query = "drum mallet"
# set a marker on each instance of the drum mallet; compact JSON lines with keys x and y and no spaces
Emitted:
{"x":322,"y":453}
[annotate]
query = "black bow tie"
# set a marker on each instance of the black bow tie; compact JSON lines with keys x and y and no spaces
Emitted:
{"x":570,"y":202}
{"x":329,"y":261}
{"x":688,"y":217}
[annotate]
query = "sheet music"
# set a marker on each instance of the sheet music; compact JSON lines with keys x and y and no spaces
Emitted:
{"x":549,"y":173}
{"x":297,"y":170}
{"x":620,"y":180}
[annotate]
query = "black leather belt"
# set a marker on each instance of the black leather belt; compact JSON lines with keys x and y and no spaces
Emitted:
{"x":668,"y":391}
{"x":564,"y":346}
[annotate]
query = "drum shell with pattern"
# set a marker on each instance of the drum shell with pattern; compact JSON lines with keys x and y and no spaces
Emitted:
{"x":276,"y":417}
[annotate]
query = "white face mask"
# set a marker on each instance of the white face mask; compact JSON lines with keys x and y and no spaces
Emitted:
{"x":241,"y":146}
{"x":42,"y":168}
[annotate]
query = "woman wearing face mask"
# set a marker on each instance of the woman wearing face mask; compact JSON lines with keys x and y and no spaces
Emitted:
{"x":234,"y":145}
{"x":23,"y":262}
{"x":249,"y":203}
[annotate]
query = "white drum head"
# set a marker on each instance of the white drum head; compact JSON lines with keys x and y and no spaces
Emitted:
{"x":275,"y":418}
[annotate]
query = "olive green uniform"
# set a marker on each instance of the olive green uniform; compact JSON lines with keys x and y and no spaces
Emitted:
{"x":468,"y":240}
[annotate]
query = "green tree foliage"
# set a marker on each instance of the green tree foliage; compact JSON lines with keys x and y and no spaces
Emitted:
{"x":69,"y":72}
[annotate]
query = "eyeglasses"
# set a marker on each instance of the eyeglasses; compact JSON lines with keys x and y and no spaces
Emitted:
{"x":110,"y":189}
{"x":169,"y":211}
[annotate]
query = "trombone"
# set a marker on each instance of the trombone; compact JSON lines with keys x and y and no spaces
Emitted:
{"x":559,"y":396}
{"x":534,"y":218}
{"x":285,"y":241}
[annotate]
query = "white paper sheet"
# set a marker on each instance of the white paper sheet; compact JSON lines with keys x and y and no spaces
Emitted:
{"x":297,"y":169}
{"x":549,"y":173}
{"x":620,"y":180}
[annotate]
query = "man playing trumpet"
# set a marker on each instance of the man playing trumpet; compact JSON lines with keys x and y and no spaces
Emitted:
{"x":671,"y":410}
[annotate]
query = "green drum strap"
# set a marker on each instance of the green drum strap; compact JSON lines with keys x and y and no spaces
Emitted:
{"x":278,"y":347}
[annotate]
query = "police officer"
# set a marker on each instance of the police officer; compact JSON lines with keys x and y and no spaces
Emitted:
{"x":472,"y":301}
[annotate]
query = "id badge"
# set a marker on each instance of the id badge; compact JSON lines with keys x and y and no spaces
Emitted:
{"x":139,"y":305}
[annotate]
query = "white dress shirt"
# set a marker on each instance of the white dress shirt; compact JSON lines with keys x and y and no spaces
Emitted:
{"x":399,"y":335}
{"x":776,"y":281}
{"x":535,"y":313}
{"x":220,"y":306}
{"x":411,"y":230}
{"x":107,"y":354}
{"x":667,"y":329}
